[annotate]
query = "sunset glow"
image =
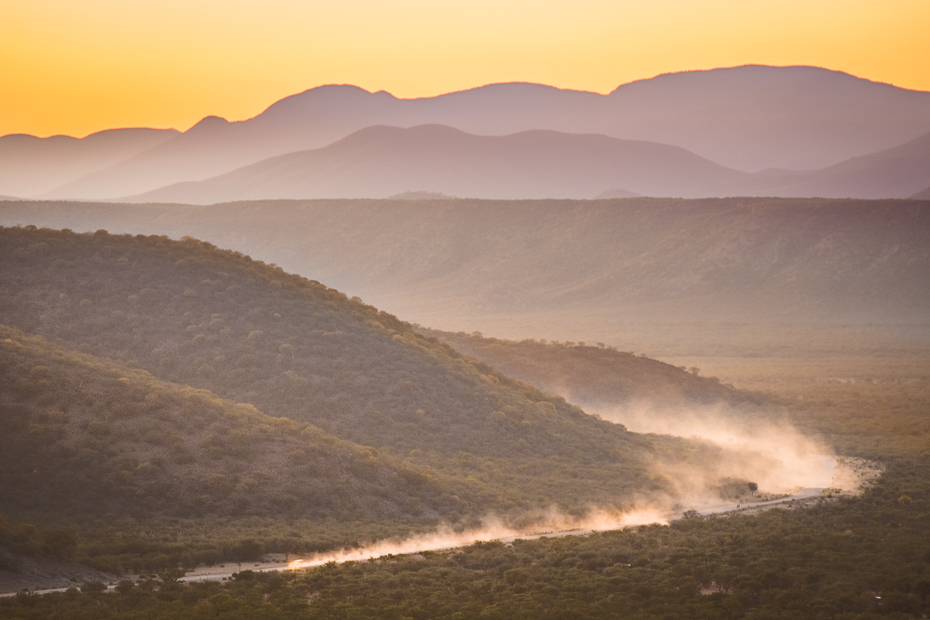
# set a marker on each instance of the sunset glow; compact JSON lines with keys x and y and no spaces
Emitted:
{"x":76,"y":68}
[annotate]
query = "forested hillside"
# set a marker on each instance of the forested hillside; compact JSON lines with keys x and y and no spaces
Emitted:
{"x":855,"y":558}
{"x":595,"y":373}
{"x":248,"y":332}
{"x":661,"y":276}
{"x":91,"y":438}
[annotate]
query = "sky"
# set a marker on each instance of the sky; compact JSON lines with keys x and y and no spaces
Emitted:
{"x":78,"y":66}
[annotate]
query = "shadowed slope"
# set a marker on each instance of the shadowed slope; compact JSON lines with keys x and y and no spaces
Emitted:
{"x":87,"y":437}
{"x":248,"y":332}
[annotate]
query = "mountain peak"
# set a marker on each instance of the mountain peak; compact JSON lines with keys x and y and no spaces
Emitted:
{"x":328,"y":95}
{"x":208,"y":122}
{"x":752,"y":75}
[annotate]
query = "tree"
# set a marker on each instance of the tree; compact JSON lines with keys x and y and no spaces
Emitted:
{"x":753,"y":487}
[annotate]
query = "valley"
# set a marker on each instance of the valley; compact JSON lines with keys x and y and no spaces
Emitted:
{"x":153,"y":399}
{"x":195,"y":462}
{"x":385,"y":338}
{"x":464,"y":311}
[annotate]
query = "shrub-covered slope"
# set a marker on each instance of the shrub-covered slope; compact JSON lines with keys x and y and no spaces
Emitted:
{"x":573,"y":270}
{"x":191,"y":314}
{"x":598,"y":374}
{"x":81,"y":436}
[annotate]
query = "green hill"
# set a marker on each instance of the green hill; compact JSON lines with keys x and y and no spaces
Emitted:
{"x":595,"y":375}
{"x":248,"y":332}
{"x":89,"y":437}
{"x":735,"y":276}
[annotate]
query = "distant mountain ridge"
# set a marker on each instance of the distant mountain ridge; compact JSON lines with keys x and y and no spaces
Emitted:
{"x":378,"y":162}
{"x":922,"y":195}
{"x":605,"y":265}
{"x":746,"y":118}
{"x":897,"y":172}
{"x":31,"y":166}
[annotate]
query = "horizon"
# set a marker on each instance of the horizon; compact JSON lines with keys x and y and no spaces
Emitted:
{"x":184,"y":129}
{"x":79,"y":69}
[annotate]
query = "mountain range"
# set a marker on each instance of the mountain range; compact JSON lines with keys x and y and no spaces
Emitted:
{"x":31,"y":165}
{"x":748,"y":119}
{"x":378,"y":162}
{"x":700,"y":272}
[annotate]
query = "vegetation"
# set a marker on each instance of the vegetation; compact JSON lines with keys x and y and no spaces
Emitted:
{"x":656,"y":275}
{"x":88,"y":436}
{"x":851,"y":558}
{"x":92,"y":445}
{"x":80,"y":428}
{"x":210,"y":386}
{"x":194,"y":315}
{"x":867,"y":403}
{"x":596,"y":373}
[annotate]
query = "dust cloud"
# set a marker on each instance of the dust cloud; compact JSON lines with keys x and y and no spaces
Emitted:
{"x":737,"y":446}
{"x":728,"y":447}
{"x":492,"y":529}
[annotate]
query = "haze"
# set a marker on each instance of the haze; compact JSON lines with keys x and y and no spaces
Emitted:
{"x":246,"y":251}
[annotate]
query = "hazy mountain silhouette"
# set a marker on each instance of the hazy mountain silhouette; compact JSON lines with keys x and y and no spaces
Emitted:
{"x":922,"y":195}
{"x":897,"y":172}
{"x":31,"y":165}
{"x":748,"y":118}
{"x":378,"y":162}
{"x":758,"y":117}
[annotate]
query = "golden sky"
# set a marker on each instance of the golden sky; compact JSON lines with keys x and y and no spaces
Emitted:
{"x":79,"y":66}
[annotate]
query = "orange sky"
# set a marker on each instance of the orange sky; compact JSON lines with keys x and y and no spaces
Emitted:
{"x":78,"y":67}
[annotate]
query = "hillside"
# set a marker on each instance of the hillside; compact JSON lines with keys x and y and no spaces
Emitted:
{"x":250,"y":333}
{"x":642,"y":274}
{"x":594,"y":374}
{"x":748,"y":118}
{"x":90,"y":438}
{"x":378,"y":162}
{"x":922,"y":195}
